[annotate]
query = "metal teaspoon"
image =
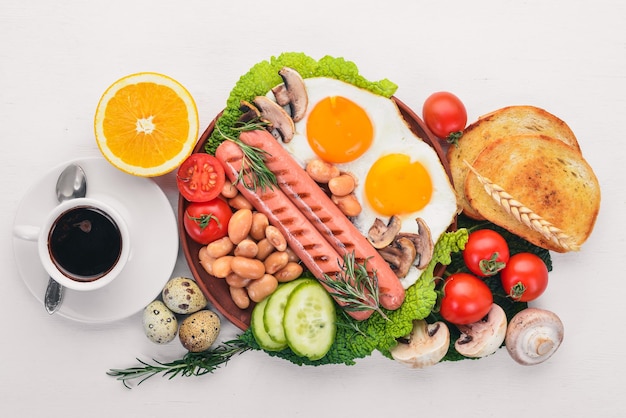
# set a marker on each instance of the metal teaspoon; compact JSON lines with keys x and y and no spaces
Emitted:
{"x":71,"y":184}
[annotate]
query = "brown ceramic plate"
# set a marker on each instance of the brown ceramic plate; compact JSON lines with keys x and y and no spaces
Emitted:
{"x":216,"y":290}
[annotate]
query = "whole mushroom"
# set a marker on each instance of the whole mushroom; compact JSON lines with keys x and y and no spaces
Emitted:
{"x":425,"y":346}
{"x":533,"y":336}
{"x":484,"y":337}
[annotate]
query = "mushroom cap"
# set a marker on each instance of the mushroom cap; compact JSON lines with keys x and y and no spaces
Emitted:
{"x":423,"y":242}
{"x":381,"y":235}
{"x":427,"y":345}
{"x":484,"y":337}
{"x":292,"y":93}
{"x":400,"y":255}
{"x":281,"y":124}
{"x":533,"y":336}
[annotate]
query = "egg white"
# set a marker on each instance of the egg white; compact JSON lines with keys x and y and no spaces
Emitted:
{"x":391,"y":135}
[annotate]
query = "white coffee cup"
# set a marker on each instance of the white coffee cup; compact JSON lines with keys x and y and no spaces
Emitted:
{"x":83,"y":243}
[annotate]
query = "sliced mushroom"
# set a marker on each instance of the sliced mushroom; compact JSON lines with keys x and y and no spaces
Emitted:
{"x":281,"y":124}
{"x":425,"y":346}
{"x":249,"y":112}
{"x":484,"y":337}
{"x":381,"y":235}
{"x":423,"y":242}
{"x":400,"y":255}
{"x":292,"y":93}
{"x":533,"y":336}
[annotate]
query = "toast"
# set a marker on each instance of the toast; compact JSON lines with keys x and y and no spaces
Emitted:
{"x":545,"y":175}
{"x":505,"y":122}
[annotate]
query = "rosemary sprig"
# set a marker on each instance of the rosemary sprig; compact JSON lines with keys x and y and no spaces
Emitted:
{"x":191,"y":364}
{"x":350,"y":324}
{"x":253,"y":167}
{"x":354,"y":286}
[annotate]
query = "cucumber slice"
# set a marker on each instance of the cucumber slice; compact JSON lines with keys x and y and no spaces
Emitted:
{"x":258,"y":329}
{"x":275,"y":309}
{"x":310,"y":320}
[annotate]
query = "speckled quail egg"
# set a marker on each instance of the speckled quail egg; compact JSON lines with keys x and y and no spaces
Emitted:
{"x":159,"y":323}
{"x":199,"y":331}
{"x":183,"y":296}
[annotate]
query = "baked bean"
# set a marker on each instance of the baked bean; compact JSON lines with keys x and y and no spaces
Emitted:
{"x":277,"y":239}
{"x":247,"y":248}
{"x":239,"y":202}
{"x":321,"y":171}
{"x":229,"y":190}
{"x":261,"y":288}
{"x":239,"y":225}
{"x":292,"y":255}
{"x":239,"y":295}
{"x":219,"y":247}
{"x":342,"y":185}
{"x":259,"y":223}
{"x":248,"y":268}
{"x":207,"y":264}
{"x":222,"y":266}
{"x":349,"y":204}
{"x":265,"y":248}
{"x":202,"y":253}
{"x":290,"y":272}
{"x":276,"y":261}
{"x":235,"y":280}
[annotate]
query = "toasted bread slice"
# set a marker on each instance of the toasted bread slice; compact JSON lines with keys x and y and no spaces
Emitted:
{"x":508,"y":121}
{"x":545,"y":175}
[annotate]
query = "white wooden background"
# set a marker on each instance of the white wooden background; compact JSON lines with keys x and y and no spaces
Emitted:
{"x":569,"y":57}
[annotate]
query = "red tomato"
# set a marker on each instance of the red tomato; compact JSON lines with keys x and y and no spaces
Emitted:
{"x":200,"y":177}
{"x":486,"y":252}
{"x":466,"y":299}
{"x":207,"y":221}
{"x":445,"y":115}
{"x":525,"y":277}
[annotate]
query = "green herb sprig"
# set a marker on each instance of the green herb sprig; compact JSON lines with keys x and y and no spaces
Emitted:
{"x":191,"y":364}
{"x":254,"y":173}
{"x":354,"y":286}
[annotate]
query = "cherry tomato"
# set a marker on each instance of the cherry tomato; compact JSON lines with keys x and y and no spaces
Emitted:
{"x":486,"y":252}
{"x":206,"y":222}
{"x":525,"y":277}
{"x":445,"y":115}
{"x":200,"y":177}
{"x":466,"y":299}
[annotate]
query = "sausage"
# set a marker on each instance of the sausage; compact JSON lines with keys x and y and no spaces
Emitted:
{"x":307,"y":196}
{"x":305,"y":240}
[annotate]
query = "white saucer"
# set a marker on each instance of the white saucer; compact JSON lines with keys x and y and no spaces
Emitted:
{"x":153,"y":233}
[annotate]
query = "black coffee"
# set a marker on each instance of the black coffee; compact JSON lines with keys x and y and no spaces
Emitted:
{"x":85,"y":243}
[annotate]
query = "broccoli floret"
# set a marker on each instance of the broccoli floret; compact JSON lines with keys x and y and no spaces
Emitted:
{"x":264,"y":75}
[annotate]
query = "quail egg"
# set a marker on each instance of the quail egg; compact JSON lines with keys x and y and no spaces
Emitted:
{"x":199,"y":331}
{"x":183,"y":296}
{"x":159,"y":323}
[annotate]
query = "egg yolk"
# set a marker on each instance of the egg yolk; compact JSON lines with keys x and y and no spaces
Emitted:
{"x":395,"y":185}
{"x":339,"y":130}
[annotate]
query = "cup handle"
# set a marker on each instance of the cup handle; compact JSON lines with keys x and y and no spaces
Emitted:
{"x":27,"y":232}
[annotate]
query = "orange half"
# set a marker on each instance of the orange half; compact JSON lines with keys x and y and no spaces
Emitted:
{"x":146,"y":124}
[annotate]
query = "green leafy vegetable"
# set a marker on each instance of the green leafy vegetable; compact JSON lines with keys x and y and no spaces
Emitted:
{"x":264,"y":75}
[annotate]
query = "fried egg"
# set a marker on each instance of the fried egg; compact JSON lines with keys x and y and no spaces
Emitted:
{"x":364,"y":134}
